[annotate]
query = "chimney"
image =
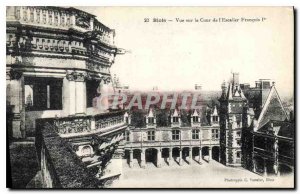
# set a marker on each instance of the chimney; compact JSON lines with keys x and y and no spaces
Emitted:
{"x":257,"y":84}
{"x":235,"y":79}
{"x":224,"y":88}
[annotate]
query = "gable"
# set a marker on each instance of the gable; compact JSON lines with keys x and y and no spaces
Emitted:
{"x":272,"y":110}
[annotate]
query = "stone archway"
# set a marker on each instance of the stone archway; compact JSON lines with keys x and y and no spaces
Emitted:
{"x":205,"y":153}
{"x":216,"y":153}
{"x":151,"y":155}
{"x":259,"y":164}
{"x":176,"y":154}
{"x":185,"y":154}
{"x":195,"y":153}
{"x":285,"y":170}
{"x":137,"y":156}
{"x":165,"y":154}
{"x":127,"y":156}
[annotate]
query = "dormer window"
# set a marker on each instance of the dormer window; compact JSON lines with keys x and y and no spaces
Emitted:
{"x":175,"y":119}
{"x":195,"y":119}
{"x":151,"y":120}
{"x":215,"y":118}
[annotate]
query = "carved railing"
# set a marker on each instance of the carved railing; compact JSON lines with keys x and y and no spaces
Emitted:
{"x":60,"y":167}
{"x":68,"y":125}
{"x":59,"y":17}
{"x":89,"y":124}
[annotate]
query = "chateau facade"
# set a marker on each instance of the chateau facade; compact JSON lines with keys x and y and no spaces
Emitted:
{"x":185,"y":137}
{"x":58,"y":63}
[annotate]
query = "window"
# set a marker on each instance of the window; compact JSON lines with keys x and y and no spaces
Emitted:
{"x":238,"y":154}
{"x":238,"y":142}
{"x":43,"y":94}
{"x":150,"y":120}
{"x":91,"y":93}
{"x":215,"y":133}
{"x":127,"y":136}
{"x":175,"y":135}
{"x":195,"y":134}
{"x":126,"y":120}
{"x":195,"y":119}
{"x":151,"y":135}
{"x":215,"y":118}
{"x":175,"y":119}
{"x":238,"y":134}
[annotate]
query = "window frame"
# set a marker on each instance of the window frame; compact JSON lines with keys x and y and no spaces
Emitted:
{"x":176,"y":134}
{"x":151,"y":135}
{"x":195,"y":134}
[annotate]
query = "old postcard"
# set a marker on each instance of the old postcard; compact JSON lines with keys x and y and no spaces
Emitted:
{"x":150,"y":97}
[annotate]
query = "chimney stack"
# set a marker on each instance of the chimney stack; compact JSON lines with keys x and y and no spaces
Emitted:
{"x":236,"y":81}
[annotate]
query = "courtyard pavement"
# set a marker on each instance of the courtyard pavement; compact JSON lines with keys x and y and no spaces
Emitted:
{"x":206,"y":175}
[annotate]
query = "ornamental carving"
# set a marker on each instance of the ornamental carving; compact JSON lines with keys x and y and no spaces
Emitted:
{"x":77,"y":76}
{"x":15,"y":74}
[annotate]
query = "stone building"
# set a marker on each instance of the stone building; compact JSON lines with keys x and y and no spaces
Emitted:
{"x":232,"y":102}
{"x":57,"y":66}
{"x":167,"y":137}
{"x":255,"y":130}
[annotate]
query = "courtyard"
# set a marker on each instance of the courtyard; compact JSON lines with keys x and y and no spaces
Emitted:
{"x":194,"y":175}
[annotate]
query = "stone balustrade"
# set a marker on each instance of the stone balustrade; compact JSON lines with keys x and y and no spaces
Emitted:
{"x":59,"y":17}
{"x":60,"y":167}
{"x":89,"y":124}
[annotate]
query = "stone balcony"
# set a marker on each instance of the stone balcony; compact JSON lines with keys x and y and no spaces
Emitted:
{"x":59,"y":17}
{"x":100,"y":124}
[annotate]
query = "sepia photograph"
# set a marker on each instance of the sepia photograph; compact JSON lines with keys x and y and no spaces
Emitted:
{"x":109,"y":97}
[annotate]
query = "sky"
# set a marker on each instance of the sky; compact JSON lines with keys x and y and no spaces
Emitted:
{"x":176,"y":56}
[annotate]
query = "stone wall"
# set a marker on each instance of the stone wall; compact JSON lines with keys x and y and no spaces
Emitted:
{"x":60,"y":167}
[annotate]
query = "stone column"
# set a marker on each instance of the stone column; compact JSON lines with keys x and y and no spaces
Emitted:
{"x":265,"y":169}
{"x":209,"y":154}
{"x":80,"y":92}
{"x":21,"y":12}
{"x":200,"y":156}
{"x":180,"y":157}
{"x":158,"y":159}
{"x":170,"y":156}
{"x":104,"y":96}
{"x":275,"y":167}
{"x":190,"y":155}
{"x":143,"y":158}
{"x":16,"y":100}
{"x":34,"y":15}
{"x":93,"y":124}
{"x":130,"y":158}
{"x":73,"y":19}
{"x":254,"y":166}
{"x":69,"y":95}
